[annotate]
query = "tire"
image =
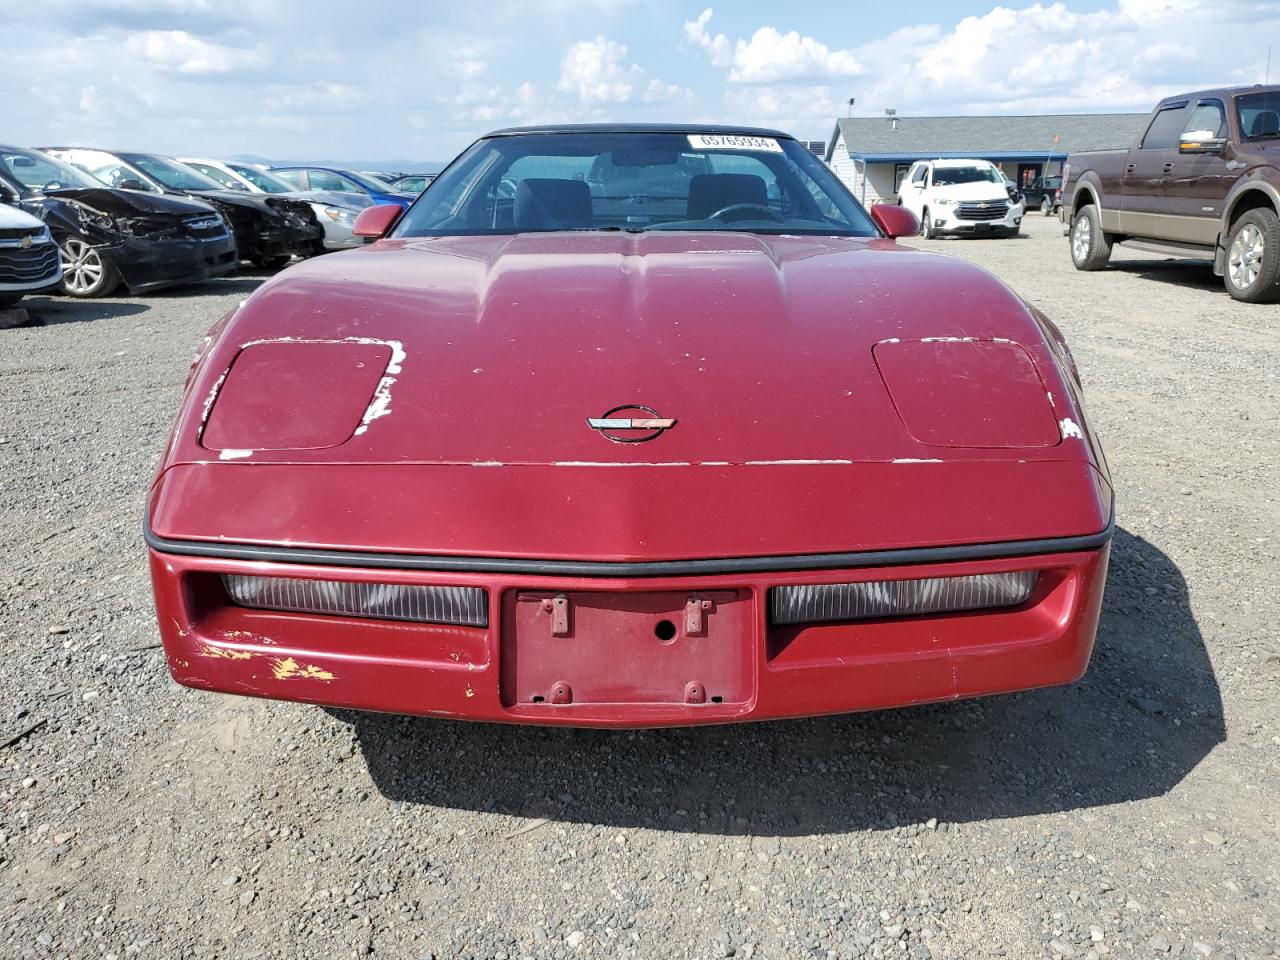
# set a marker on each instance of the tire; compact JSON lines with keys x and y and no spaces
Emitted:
{"x":1252,"y":273}
{"x":272,"y":263}
{"x":1090,"y":247}
{"x":1046,"y":207}
{"x":926,"y":226}
{"x":84,"y":273}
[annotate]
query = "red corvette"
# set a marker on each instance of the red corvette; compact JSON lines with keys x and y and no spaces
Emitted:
{"x":631,"y":426}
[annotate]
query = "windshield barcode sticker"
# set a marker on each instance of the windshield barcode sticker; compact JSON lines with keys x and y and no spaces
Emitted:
{"x":704,"y":141}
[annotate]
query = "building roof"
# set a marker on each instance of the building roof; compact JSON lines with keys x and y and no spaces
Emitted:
{"x":987,"y":136}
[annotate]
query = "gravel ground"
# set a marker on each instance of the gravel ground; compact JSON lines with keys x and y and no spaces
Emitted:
{"x":1132,"y":814}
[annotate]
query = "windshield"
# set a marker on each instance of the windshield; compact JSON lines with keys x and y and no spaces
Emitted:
{"x":369,"y":183}
{"x":1259,"y":115}
{"x":38,"y":172}
{"x":228,"y":180}
{"x":950,"y":176}
{"x":264,"y":181}
{"x":635,"y":182}
{"x":170,"y":173}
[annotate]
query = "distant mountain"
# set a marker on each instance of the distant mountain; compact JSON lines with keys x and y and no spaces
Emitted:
{"x":385,"y":166}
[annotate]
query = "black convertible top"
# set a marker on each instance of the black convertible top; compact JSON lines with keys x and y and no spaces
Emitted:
{"x":708,"y":129}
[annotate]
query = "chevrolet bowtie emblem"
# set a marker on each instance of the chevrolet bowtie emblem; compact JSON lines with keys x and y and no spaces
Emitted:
{"x":650,"y":425}
{"x":25,"y":242}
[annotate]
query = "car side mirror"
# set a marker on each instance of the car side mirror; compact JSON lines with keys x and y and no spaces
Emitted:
{"x":129,"y":183}
{"x":895,"y":221}
{"x":1201,"y":142}
{"x":375,"y":222}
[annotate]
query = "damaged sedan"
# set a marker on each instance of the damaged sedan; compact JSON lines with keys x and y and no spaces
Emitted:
{"x":269,"y":231}
{"x":111,"y":237}
{"x":631,"y":426}
{"x":336,"y":211}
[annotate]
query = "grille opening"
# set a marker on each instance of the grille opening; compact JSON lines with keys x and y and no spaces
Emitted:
{"x":665,"y":631}
{"x":538,"y":698}
{"x":717,"y":699}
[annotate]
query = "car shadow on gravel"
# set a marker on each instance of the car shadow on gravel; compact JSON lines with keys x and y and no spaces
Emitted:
{"x":1146,"y":713}
{"x":46,"y":311}
{"x":1187,"y":273}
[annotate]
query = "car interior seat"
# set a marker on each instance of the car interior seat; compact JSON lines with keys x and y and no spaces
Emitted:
{"x":551,"y":204}
{"x":1265,"y":124}
{"x":709,"y":192}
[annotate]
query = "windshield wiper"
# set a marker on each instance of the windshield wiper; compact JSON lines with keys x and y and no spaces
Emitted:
{"x":609,"y":229}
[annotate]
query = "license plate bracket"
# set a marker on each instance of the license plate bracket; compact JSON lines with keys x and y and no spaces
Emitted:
{"x":688,"y":647}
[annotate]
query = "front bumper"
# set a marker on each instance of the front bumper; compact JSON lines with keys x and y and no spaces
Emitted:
{"x":338,"y":236}
{"x":34,"y":269}
{"x":281,"y":240}
{"x":517,"y":668}
{"x":146,"y":265}
{"x":946,"y":222}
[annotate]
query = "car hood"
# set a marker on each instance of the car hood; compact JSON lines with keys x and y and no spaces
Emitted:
{"x":14,"y":218}
{"x":761,"y":348}
{"x":433,"y":395}
{"x":131,"y":203}
{"x":333,"y":198}
{"x":235,"y":198}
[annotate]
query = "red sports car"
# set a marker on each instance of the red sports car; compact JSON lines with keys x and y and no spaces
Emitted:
{"x":631,"y":426}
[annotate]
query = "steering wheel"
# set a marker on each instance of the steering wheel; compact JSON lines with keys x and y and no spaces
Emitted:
{"x":746,"y":210}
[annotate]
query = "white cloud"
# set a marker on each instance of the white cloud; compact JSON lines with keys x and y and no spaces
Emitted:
{"x":595,"y":71}
{"x":1051,"y":58}
{"x":179,"y":51}
{"x":770,"y":55}
{"x":297,"y":78}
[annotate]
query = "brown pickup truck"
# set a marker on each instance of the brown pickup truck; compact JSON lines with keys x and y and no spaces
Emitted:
{"x":1203,"y":178}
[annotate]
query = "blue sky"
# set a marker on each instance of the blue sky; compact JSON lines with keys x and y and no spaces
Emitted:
{"x":342,"y":79}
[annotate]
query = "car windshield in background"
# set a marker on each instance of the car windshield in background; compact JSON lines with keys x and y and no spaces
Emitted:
{"x":369,"y":183}
{"x":264,"y":181}
{"x":636,"y":182}
{"x":1259,"y":115}
{"x":175,"y":176}
{"x":950,"y":176}
{"x":37,"y":172}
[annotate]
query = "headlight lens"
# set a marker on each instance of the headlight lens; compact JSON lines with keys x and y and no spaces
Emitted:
{"x":339,"y":215}
{"x":818,"y":603}
{"x":467,"y":606}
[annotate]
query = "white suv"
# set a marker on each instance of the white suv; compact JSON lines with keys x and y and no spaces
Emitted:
{"x":29,"y":261}
{"x":960,"y":196}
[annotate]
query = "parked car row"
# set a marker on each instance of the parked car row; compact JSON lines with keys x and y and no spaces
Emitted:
{"x":85,"y":221}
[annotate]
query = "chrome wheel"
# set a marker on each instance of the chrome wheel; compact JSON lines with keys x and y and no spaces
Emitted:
{"x":1081,"y":238}
{"x":1244,"y":263}
{"x":82,"y":267}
